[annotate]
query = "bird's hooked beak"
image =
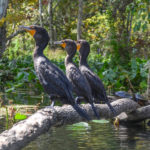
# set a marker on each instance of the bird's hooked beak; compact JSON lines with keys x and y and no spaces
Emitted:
{"x":78,"y":46}
{"x":29,"y":29}
{"x":61,"y":43}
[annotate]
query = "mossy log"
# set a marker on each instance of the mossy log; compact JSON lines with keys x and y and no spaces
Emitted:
{"x":40,"y":122}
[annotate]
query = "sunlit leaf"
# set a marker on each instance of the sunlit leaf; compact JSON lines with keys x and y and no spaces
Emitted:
{"x":19,"y":116}
{"x":100,"y":121}
{"x":18,"y":85}
{"x":20,"y":75}
{"x":9,"y":90}
{"x":79,"y":126}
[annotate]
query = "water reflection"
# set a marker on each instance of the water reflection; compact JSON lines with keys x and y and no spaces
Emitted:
{"x":24,"y":96}
{"x":95,"y":138}
{"x":135,"y":137}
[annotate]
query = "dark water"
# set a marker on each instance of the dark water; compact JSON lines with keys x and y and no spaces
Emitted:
{"x":26,"y":97}
{"x":94,"y":136}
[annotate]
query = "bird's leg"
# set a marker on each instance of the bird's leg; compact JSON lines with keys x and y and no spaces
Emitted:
{"x":93,"y":100}
{"x":78,"y":99}
{"x":52,"y":97}
{"x":112,"y":109}
{"x":96,"y":101}
{"x":53,"y":103}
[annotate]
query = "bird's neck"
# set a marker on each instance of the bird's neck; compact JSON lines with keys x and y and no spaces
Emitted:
{"x":83,"y":61}
{"x":68,"y":59}
{"x":39,"y":48}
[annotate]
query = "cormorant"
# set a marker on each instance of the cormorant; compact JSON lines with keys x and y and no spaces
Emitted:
{"x":53,"y":80}
{"x":98,"y":90}
{"x":80,"y":85}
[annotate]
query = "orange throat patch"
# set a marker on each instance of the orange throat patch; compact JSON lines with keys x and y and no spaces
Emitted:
{"x":63,"y":45}
{"x":78,"y":47}
{"x":32,"y":32}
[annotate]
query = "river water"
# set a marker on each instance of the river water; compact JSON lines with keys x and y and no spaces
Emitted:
{"x":92,"y":136}
{"x":95,"y":137}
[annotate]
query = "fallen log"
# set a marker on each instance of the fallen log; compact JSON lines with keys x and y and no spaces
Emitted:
{"x":136,"y":116}
{"x":27,"y":130}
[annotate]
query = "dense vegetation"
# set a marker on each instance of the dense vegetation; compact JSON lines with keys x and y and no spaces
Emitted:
{"x":117,"y":31}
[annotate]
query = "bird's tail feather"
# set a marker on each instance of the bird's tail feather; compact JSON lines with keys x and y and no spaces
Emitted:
{"x":95,"y":112}
{"x":81,"y":112}
{"x":109,"y":105}
{"x":111,"y":108}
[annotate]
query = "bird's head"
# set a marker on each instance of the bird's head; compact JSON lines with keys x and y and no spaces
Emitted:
{"x":68,"y":44}
{"x":83,"y":47}
{"x":39,"y":33}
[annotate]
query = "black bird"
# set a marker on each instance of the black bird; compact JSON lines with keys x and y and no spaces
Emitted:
{"x":80,"y":85}
{"x":53,"y":80}
{"x":98,"y":90}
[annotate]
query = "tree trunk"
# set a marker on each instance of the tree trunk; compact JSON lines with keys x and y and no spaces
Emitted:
{"x":2,"y":39}
{"x":79,"y":23}
{"x":3,"y":10}
{"x":40,"y":13}
{"x":148,"y":82}
{"x":50,"y":12}
{"x":3,"y":7}
{"x":27,"y":130}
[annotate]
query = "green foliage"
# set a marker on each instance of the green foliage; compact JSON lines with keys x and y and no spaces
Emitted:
{"x":19,"y":73}
{"x":117,"y":77}
{"x":19,"y":116}
{"x":118,"y":29}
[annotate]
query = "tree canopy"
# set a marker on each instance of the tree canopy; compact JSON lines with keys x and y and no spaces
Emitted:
{"x":116,"y":30}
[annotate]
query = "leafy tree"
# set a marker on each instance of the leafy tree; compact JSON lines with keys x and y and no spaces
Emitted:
{"x":3,"y":11}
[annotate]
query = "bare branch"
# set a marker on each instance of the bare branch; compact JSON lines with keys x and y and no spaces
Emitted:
{"x":14,"y":34}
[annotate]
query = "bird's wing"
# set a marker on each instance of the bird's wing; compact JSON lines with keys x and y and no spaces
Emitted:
{"x":55,"y":77}
{"x":93,"y":79}
{"x":77,"y":79}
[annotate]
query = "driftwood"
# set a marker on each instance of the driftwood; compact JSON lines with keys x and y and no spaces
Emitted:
{"x":136,"y":116}
{"x":27,"y":130}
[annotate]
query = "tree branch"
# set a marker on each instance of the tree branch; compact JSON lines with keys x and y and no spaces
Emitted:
{"x":136,"y":116}
{"x":14,"y":34}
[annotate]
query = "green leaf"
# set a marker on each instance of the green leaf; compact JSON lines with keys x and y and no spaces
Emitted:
{"x":31,"y":76}
{"x":20,"y":76}
{"x":144,"y":26}
{"x":143,"y":84}
{"x":143,"y":72}
{"x":100,"y":121}
{"x":9,"y":90}
{"x":19,"y":116}
{"x":79,"y":126}
{"x":133,"y":64}
{"x":18,"y":85}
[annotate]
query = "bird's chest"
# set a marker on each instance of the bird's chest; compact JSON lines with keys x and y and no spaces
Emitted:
{"x":38,"y":66}
{"x":37,"y":63}
{"x":71,"y":72}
